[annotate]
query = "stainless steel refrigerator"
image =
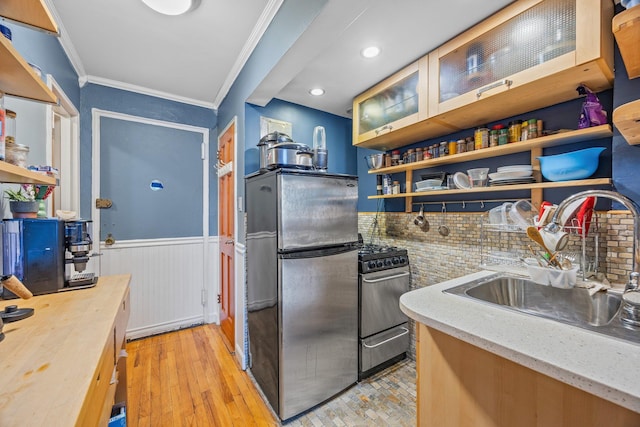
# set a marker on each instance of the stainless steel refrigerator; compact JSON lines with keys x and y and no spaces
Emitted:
{"x":302,"y":286}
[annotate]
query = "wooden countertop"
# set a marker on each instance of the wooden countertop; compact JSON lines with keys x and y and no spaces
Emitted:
{"x":48,"y":361}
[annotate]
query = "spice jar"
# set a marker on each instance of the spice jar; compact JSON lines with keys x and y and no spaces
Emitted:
{"x":493,"y":138}
{"x":379,"y":185}
{"x":426,"y":153}
{"x":503,"y":136}
{"x":515,"y":129}
{"x":395,"y":157}
{"x":533,"y":128}
{"x":387,"y":160}
{"x":411,"y":155}
{"x":461,"y":146}
{"x":444,"y":148}
{"x":470,"y":143}
{"x":396,"y":187}
{"x":481,"y":138}
{"x":418,"y":154}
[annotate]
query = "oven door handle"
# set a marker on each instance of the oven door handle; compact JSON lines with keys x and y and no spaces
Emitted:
{"x":382,"y":279}
{"x":406,"y":331}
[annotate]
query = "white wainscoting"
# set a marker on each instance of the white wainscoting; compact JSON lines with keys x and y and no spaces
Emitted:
{"x":168,"y":278}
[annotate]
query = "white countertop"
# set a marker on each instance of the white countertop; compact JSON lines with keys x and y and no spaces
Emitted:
{"x":603,"y":366}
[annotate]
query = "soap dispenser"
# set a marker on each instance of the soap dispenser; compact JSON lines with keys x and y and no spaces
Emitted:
{"x":320,"y":152}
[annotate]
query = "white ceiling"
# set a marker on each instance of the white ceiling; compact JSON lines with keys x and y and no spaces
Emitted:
{"x":195,"y":57}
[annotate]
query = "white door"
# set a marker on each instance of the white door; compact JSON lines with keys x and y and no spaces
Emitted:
{"x":153,"y":176}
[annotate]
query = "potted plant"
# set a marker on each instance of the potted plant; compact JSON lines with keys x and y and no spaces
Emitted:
{"x":22,"y":203}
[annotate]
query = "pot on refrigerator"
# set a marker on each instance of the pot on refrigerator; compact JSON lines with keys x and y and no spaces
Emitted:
{"x":268,"y":141}
{"x":290,"y":155}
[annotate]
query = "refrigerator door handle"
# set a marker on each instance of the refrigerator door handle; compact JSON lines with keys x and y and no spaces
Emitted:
{"x":382,"y":279}
{"x":406,"y":331}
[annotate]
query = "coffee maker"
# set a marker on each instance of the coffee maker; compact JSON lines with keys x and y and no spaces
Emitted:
{"x":47,"y":255}
{"x":78,"y":245}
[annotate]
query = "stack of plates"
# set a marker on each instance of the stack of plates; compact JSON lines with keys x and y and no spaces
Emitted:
{"x":514,"y":174}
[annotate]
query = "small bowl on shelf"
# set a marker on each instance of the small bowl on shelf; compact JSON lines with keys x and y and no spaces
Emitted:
{"x":374,"y":161}
{"x":571,"y":166}
{"x":427,"y":184}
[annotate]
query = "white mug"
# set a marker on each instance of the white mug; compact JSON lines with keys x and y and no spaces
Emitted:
{"x":554,"y":241}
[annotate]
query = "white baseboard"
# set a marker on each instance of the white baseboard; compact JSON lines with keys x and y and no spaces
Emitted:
{"x":136,"y":333}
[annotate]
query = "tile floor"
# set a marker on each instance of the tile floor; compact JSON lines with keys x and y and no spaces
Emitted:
{"x":387,"y":398}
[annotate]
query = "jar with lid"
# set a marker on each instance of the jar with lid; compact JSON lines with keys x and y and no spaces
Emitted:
{"x":461,"y":146}
{"x":493,"y":138}
{"x":481,"y":138}
{"x":411,"y":155}
{"x":470,"y":143}
{"x":426,"y":153}
{"x":418,"y":154}
{"x":396,"y":187}
{"x":435,"y":151}
{"x":533,"y":128}
{"x":395,"y":157}
{"x":387,"y":160}
{"x":515,"y":129}
{"x":453,"y":147}
{"x":444,"y":148}
{"x":503,"y":136}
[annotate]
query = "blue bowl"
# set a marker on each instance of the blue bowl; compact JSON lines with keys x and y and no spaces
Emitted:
{"x":578,"y":164}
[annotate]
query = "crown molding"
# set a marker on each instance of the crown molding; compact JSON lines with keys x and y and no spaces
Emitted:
{"x":258,"y":30}
{"x":147,"y":91}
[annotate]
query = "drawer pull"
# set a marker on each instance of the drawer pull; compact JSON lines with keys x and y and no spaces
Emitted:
{"x":482,"y":90}
{"x":406,"y":331}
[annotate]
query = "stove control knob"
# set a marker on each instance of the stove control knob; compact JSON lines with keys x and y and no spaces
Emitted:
{"x":379,"y":263}
{"x":372,"y":264}
{"x":403,"y":260}
{"x":395,"y":260}
{"x":387,"y":262}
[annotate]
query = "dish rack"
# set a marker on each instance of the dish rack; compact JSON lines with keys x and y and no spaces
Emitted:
{"x":504,"y":246}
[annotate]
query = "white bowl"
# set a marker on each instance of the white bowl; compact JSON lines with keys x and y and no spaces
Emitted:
{"x":66,"y":215}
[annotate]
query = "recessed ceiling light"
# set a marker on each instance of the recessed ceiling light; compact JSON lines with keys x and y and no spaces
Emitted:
{"x":317,"y":91}
{"x":370,"y":52}
{"x":172,"y":7}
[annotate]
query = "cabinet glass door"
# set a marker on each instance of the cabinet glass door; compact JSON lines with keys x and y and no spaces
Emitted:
{"x":394,"y":103}
{"x":539,"y":34}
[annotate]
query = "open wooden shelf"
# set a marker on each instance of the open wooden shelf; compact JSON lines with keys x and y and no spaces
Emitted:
{"x":627,"y":119}
{"x":16,"y":174}
{"x":33,"y":13}
{"x":18,"y":79}
{"x":626,"y":29}
{"x":534,"y":185}
{"x":596,"y":132}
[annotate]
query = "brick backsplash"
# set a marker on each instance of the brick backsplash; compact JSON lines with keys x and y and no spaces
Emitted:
{"x":435,"y":258}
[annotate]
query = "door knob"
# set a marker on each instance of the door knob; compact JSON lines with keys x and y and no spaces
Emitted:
{"x":109,"y":240}
{"x":229,"y":242}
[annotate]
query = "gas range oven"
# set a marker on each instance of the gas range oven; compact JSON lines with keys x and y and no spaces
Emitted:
{"x":383,"y":329}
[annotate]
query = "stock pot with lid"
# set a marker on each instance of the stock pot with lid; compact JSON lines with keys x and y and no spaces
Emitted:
{"x":289,"y":155}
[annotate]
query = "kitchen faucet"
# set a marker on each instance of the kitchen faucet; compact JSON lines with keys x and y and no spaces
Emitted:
{"x":630,"y":310}
{"x":555,"y":226}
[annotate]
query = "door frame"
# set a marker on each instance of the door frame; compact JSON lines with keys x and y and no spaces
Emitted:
{"x":96,"y":115}
{"x":69,"y":153}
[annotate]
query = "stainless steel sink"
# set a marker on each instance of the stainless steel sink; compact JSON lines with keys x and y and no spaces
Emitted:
{"x":575,"y":306}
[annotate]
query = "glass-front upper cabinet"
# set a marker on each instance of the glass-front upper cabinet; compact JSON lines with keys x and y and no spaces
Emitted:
{"x":529,"y":41}
{"x":392,"y":104}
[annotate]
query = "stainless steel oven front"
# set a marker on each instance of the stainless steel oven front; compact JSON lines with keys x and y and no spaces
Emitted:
{"x":383,"y":327}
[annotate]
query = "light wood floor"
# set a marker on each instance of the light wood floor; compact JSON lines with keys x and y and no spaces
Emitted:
{"x":188,"y":378}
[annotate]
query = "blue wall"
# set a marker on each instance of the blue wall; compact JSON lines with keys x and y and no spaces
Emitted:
{"x":290,"y":22}
{"x":342,"y":154}
{"x":110,"y":99}
{"x":45,"y":51}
